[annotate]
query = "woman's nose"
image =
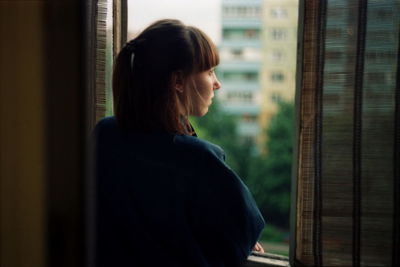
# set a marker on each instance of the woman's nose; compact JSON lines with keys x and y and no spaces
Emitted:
{"x":217,"y":84}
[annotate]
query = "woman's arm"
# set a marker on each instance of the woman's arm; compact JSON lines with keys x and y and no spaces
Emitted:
{"x":225,"y":213}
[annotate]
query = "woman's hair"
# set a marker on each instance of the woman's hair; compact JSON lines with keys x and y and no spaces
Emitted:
{"x":144,"y":97}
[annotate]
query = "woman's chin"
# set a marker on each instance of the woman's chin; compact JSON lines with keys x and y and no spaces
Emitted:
{"x":200,"y":113}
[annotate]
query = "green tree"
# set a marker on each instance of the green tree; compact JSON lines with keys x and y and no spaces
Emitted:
{"x":270,"y":174}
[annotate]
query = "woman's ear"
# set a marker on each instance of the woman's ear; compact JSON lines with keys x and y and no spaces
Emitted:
{"x":177,"y":81}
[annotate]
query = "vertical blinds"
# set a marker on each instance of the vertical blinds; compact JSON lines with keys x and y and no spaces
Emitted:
{"x":111,"y":34}
{"x":348,"y":180}
{"x":102,"y":35}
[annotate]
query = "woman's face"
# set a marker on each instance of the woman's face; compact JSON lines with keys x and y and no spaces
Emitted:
{"x":205,"y":83}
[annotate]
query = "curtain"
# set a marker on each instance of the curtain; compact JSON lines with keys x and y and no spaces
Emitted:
{"x":347,"y":211}
{"x":102,"y":37}
{"x":111,"y":34}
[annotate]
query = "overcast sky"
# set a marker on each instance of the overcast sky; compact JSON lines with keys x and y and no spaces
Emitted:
{"x":204,"y":14}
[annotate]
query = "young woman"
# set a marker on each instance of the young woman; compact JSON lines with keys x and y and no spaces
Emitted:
{"x":165,"y":197}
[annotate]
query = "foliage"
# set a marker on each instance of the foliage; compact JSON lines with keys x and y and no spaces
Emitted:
{"x":273,"y":234}
{"x":270,"y":174}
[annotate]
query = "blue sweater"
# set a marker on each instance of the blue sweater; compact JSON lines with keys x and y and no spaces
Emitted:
{"x":169,"y":200}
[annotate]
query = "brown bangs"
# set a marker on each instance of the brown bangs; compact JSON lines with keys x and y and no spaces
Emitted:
{"x":206,"y":54}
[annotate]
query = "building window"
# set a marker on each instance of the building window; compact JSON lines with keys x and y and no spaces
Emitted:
{"x":241,"y":11}
{"x":239,"y":96}
{"x":226,"y":11}
{"x":249,"y":118}
{"x":240,"y":76}
{"x":237,"y":34}
{"x":237,"y":53}
{"x":279,"y":13}
{"x":251,"y":34}
{"x":276,"y":98}
{"x":279,"y":34}
{"x":277,"y":76}
{"x":232,"y":34}
{"x":277,"y":55}
{"x":251,"y":76}
{"x":257,"y":11}
{"x":248,"y":139}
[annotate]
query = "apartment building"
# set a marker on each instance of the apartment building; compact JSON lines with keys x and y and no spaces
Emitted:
{"x":278,"y":63}
{"x":258,"y":61}
{"x":239,"y":71}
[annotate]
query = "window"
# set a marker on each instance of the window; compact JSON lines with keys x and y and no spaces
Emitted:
{"x":276,"y":98}
{"x":248,"y":139}
{"x":237,"y":53}
{"x":277,"y":76}
{"x":240,"y":76}
{"x":251,"y":76}
{"x":226,"y":11}
{"x":241,"y":12}
{"x":231,"y":34}
{"x":257,"y":11}
{"x":237,"y":34}
{"x":249,"y":118}
{"x":279,"y":34}
{"x":239,"y":96}
{"x":277,"y":55}
{"x":251,"y":34}
{"x":279,"y":13}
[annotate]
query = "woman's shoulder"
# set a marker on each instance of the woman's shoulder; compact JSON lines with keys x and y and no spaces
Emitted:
{"x":108,"y":126}
{"x":107,"y":122}
{"x":199,"y":145}
{"x":105,"y":125}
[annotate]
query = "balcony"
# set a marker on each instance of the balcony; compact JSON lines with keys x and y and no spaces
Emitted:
{"x":240,"y":66}
{"x":241,"y":23}
{"x":241,"y":108}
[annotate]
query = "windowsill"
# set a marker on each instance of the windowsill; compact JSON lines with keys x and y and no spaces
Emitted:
{"x":266,"y":259}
